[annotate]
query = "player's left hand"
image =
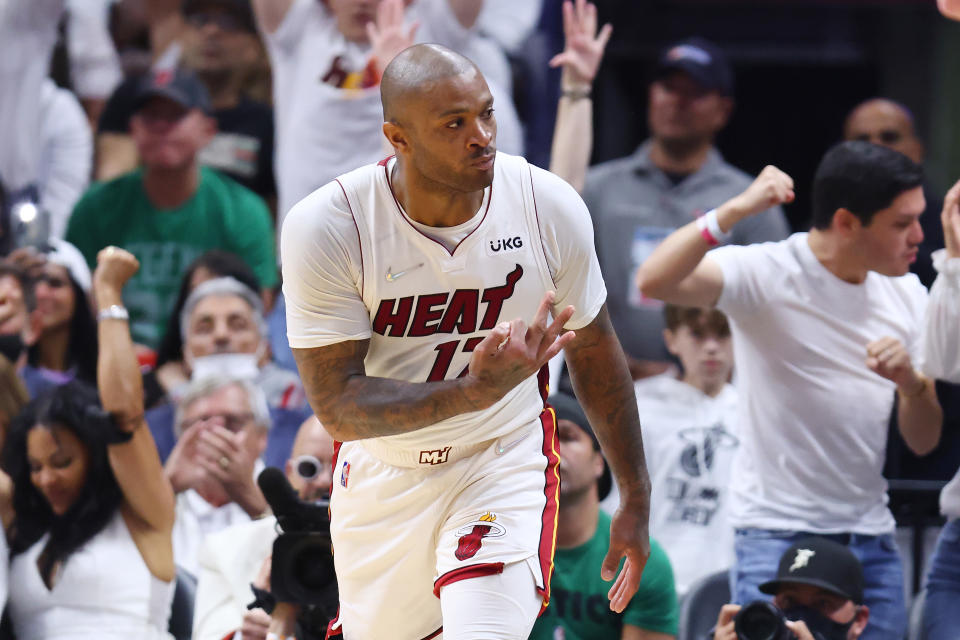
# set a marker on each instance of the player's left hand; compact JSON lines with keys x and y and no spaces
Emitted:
{"x":628,"y":537}
{"x":584,"y":47}
{"x":512,"y":352}
{"x":388,"y":34}
{"x":888,"y":357}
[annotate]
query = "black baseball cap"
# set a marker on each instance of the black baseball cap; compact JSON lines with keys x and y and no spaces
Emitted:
{"x":702,"y":60}
{"x":823,"y":563}
{"x":239,"y":8}
{"x":178,"y":85}
{"x":568,"y":408}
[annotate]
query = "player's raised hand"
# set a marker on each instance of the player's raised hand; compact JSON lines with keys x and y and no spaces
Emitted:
{"x":388,"y":34}
{"x":770,"y":188}
{"x":629,"y":538}
{"x":583,"y":47}
{"x":950,"y":218}
{"x":513,"y":352}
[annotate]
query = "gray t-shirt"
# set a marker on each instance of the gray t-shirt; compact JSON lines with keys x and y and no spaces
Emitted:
{"x":634,"y":206}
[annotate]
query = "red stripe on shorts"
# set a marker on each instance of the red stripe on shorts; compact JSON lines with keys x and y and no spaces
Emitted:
{"x":434,"y":634}
{"x":551,"y":490}
{"x":463,"y":573}
{"x":331,"y":632}
{"x":543,"y":382}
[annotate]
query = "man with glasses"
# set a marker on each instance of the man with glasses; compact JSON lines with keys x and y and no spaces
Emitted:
{"x":232,"y":559}
{"x":172,"y":210}
{"x":221,"y":427}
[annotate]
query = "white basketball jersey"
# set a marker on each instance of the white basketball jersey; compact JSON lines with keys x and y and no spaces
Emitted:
{"x":428,"y":306}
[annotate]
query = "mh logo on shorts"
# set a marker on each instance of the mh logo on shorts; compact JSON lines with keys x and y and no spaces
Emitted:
{"x":436,"y":456}
{"x":473,"y":533}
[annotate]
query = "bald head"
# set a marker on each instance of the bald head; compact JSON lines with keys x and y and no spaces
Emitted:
{"x":312,"y":439}
{"x":414,"y":71}
{"x":311,"y":477}
{"x":886,"y":123}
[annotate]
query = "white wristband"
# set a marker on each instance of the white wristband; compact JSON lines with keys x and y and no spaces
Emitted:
{"x":713,"y":226}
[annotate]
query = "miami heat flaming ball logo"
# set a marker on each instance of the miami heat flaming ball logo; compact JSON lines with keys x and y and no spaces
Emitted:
{"x":473,"y":533}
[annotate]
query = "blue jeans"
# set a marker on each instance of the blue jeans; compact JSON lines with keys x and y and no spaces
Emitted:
{"x":941,"y":610}
{"x":758,"y":555}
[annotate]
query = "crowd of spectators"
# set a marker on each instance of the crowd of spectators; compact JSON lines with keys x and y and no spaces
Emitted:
{"x":145,"y":379}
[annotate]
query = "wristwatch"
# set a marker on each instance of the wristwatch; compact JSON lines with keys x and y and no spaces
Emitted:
{"x":113,"y":312}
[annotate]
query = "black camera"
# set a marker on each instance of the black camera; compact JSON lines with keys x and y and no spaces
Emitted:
{"x":761,"y":620}
{"x":302,"y":566}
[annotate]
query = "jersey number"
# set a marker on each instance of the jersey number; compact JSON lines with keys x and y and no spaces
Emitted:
{"x":445,"y":353}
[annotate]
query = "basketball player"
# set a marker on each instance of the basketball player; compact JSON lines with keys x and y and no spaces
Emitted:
{"x":409,"y":287}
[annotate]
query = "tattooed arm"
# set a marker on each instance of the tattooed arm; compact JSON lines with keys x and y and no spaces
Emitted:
{"x":352,"y":405}
{"x":603,"y":385}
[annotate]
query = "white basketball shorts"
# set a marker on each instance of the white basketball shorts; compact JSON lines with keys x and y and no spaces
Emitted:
{"x":405,"y":524}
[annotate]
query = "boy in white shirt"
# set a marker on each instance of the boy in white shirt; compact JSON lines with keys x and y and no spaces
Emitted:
{"x":690,"y":437}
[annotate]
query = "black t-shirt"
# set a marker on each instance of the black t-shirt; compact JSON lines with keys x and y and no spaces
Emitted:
{"x":242,"y":148}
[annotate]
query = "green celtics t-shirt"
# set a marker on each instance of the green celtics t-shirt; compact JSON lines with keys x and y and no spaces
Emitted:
{"x":221,"y":215}
{"x":579,"y":609}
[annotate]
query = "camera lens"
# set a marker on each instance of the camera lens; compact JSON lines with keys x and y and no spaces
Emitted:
{"x":307,"y":466}
{"x":760,"y":620}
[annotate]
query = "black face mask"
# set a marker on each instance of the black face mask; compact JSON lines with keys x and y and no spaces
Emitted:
{"x":11,"y":346}
{"x":822,"y":627}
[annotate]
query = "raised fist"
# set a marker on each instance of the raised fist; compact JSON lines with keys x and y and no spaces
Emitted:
{"x":114,"y":267}
{"x":770,"y":188}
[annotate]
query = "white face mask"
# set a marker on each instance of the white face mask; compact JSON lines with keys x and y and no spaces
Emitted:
{"x":220,"y":365}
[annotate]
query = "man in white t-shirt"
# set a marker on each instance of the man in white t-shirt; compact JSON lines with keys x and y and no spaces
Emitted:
{"x":410,"y":285}
{"x":826,"y":329}
{"x":690,"y":438}
{"x":327,"y":58}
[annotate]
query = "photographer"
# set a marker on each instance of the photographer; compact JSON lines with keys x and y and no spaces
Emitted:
{"x":818,"y":594}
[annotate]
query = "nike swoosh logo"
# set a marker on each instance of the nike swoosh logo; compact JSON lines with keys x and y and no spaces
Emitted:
{"x":503,"y":448}
{"x":391,"y":276}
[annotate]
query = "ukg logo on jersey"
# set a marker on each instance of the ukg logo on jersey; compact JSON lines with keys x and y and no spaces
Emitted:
{"x":497,"y":246}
